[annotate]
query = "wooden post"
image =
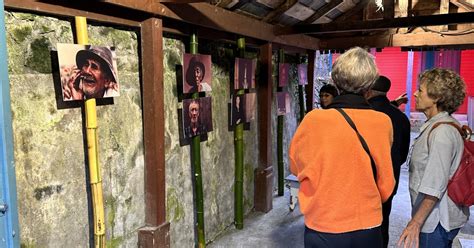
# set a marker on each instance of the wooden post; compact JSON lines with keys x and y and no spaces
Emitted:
{"x":156,"y":231}
{"x":264,"y":173}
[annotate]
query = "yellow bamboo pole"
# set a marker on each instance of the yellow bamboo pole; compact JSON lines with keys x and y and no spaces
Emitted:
{"x":93,"y":150}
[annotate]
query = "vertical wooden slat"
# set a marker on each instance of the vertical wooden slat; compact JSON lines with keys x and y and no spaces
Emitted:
{"x":310,"y":87}
{"x":444,"y":9}
{"x":264,"y":172}
{"x":388,"y":9}
{"x":153,"y":127}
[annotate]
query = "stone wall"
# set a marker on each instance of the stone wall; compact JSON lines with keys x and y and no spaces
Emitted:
{"x":49,"y":143}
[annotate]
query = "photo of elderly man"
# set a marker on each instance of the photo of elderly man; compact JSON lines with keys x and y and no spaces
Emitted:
{"x":87,"y":71}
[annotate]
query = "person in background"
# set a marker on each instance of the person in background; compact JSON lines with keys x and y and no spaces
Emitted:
{"x":401,"y":99}
{"x":327,"y":94}
{"x":377,"y":97}
{"x":436,"y":154}
{"x":340,"y":197}
{"x":238,"y":111}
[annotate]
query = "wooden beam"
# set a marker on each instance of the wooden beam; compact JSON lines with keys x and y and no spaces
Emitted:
{"x":131,"y":13}
{"x":388,"y":9}
{"x":463,"y":5}
{"x":400,"y":40}
{"x":263,"y":186}
{"x":323,"y":11}
{"x":153,"y":120}
{"x":444,"y":9}
{"x":239,"y":4}
{"x":348,"y":14}
{"x":68,"y":11}
{"x":286,"y":5}
{"x":404,"y":6}
{"x":209,"y":16}
{"x":223,"y":3}
{"x":156,"y":231}
{"x":417,"y":21}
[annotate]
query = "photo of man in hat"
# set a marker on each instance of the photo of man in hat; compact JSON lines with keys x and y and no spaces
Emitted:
{"x":197,"y":73}
{"x":91,"y":75}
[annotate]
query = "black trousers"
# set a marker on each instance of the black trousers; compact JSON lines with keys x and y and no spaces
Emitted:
{"x":386,"y":208}
{"x":357,"y":239}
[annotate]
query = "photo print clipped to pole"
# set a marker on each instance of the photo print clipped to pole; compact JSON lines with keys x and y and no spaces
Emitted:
{"x":197,"y":73}
{"x":87,"y":71}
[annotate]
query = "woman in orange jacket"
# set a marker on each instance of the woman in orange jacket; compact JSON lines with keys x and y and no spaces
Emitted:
{"x":340,"y":193}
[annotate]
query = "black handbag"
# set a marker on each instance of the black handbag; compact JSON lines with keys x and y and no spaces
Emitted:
{"x":362,"y":141}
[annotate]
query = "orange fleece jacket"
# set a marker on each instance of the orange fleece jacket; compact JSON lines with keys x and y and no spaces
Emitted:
{"x":337,"y":191}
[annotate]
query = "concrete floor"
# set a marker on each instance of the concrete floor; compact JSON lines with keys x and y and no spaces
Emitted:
{"x":283,"y":228}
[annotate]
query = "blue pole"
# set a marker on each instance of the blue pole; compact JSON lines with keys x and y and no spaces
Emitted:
{"x":7,"y":168}
{"x":409,"y":82}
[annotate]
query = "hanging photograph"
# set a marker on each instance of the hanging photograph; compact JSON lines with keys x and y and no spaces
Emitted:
{"x":283,"y":70}
{"x":238,"y":109}
{"x":303,"y":74}
{"x":244,"y":73}
{"x":87,"y":71}
{"x":250,"y":105}
{"x":197,"y":116}
{"x":196,"y":73}
{"x":283,"y":103}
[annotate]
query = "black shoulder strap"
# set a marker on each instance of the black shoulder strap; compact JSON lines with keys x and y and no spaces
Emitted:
{"x":362,"y":141}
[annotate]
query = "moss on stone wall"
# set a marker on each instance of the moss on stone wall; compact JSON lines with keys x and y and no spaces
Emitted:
{"x":173,"y":205}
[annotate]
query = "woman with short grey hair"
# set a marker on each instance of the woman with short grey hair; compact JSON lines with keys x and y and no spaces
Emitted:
{"x":341,"y":190}
{"x":436,"y":154}
{"x":354,"y":71}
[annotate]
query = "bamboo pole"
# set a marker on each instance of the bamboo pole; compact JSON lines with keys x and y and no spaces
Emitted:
{"x":239,"y":156}
{"x":280,"y":138}
{"x":196,"y":163}
{"x":93,"y":150}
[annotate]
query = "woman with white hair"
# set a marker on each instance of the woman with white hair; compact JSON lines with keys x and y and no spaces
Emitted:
{"x":343,"y":184}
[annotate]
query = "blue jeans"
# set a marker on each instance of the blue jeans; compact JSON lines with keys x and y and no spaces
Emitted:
{"x":439,"y":238}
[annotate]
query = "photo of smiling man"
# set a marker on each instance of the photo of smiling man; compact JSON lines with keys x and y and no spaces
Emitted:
{"x":87,"y":71}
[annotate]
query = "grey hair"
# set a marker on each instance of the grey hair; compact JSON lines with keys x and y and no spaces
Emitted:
{"x":354,"y":71}
{"x":446,"y":87}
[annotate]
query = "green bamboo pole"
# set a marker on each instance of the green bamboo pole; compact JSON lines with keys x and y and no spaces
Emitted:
{"x":239,"y":157}
{"x":280,"y":139}
{"x":196,"y":163}
{"x":301,"y":98}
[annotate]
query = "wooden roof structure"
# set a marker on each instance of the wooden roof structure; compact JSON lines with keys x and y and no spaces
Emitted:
{"x":299,"y":24}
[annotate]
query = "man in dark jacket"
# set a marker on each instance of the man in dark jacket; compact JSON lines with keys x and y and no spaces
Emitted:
{"x":377,"y":97}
